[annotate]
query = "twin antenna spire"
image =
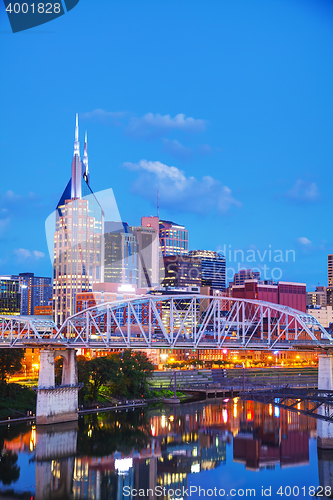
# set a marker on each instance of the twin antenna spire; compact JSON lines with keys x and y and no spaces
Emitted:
{"x":77,"y":149}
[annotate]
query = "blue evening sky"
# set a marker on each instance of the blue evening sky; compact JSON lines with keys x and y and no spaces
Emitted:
{"x":225,"y":105}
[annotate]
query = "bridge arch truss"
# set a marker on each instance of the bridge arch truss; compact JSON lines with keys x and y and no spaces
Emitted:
{"x":173,"y":321}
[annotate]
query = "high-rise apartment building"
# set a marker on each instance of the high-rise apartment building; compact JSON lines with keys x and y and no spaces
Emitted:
{"x":329,"y":292}
{"x":212,"y":268}
{"x":173,"y":238}
{"x":35,"y":291}
{"x":120,"y":254}
{"x":78,"y":259}
{"x":10,"y":296}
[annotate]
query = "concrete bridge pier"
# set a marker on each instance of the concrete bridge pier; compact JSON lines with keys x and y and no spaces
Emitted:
{"x":325,"y":381}
{"x":57,"y":403}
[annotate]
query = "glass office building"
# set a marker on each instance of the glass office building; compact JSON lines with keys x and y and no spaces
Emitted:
{"x":213,"y":268}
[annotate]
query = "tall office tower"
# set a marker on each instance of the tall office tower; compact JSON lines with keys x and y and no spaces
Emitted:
{"x":245,"y":274}
{"x":10,"y":297}
{"x":148,"y":256}
{"x":36,"y":291}
{"x":182,"y":271}
{"x":173,"y":238}
{"x":212,"y":268}
{"x":120,"y":254}
{"x":78,"y":238}
{"x":329,"y":291}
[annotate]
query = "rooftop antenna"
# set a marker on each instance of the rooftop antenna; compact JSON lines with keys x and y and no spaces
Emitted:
{"x":158,"y":203}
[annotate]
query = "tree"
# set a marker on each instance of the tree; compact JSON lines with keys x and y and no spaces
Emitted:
{"x":10,"y":362}
{"x":101,"y":370}
{"x":136,"y":369}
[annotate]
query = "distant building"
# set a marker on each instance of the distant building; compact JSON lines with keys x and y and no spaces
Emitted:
{"x":323,"y":314}
{"x":182,"y":271}
{"x":78,"y":259}
{"x":330,"y":279}
{"x":330,"y":270}
{"x":36,"y":291}
{"x":212,"y":268}
{"x":317,"y":298}
{"x":10,"y":296}
{"x":43,"y":311}
{"x":245,"y":274}
{"x":173,"y":238}
{"x":283,"y":293}
{"x":120,"y":254}
{"x":148,"y":256}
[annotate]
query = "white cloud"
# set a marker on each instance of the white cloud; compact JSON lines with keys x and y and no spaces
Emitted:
{"x":38,"y":254}
{"x":178,"y":191}
{"x":303,"y":191}
{"x":22,"y":253}
{"x":303,"y":240}
{"x":154,"y":125}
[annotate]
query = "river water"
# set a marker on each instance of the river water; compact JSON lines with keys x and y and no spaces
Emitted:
{"x":199,"y":450}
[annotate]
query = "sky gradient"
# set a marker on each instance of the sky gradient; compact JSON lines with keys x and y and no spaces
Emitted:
{"x":225,"y":106}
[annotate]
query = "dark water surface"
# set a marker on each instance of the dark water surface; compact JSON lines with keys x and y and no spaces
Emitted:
{"x":231,"y":449}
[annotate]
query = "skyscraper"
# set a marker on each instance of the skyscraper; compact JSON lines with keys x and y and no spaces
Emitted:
{"x":173,"y":238}
{"x":36,"y":291}
{"x":78,"y":258}
{"x":120,"y":254}
{"x":330,"y":279}
{"x":212,"y":268}
{"x":10,"y":297}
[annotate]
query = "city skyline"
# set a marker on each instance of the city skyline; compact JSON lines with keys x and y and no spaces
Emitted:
{"x":239,"y":144}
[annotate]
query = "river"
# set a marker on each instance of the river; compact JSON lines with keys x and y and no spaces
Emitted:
{"x":198,"y":450}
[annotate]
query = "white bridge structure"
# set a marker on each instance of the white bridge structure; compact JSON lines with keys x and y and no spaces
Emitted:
{"x":157,"y":322}
{"x":174,"y":321}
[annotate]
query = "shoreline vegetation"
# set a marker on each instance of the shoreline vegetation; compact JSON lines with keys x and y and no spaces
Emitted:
{"x":111,"y":381}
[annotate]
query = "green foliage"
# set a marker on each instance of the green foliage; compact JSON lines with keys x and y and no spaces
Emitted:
{"x":58,"y":366}
{"x":15,"y":397}
{"x":10,"y":362}
{"x":123,"y":375}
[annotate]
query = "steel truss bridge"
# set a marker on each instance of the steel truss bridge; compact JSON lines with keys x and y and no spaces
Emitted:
{"x":305,"y":401}
{"x":174,"y":321}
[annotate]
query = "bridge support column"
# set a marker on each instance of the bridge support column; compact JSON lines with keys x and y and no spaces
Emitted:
{"x":325,"y":382}
{"x":325,"y":372}
{"x":57,"y":403}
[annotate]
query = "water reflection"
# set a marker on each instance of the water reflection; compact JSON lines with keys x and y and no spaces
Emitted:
{"x":167,"y":447}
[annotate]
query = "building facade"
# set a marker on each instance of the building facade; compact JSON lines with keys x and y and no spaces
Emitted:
{"x":213,"y":268}
{"x":245,"y":274}
{"x":317,"y":298}
{"x":330,"y":279}
{"x":283,"y":293}
{"x":148,"y":256}
{"x":78,"y":258}
{"x":173,"y":238}
{"x":182,"y":271}
{"x":120,"y":254}
{"x":10,"y":296}
{"x":36,"y":291}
